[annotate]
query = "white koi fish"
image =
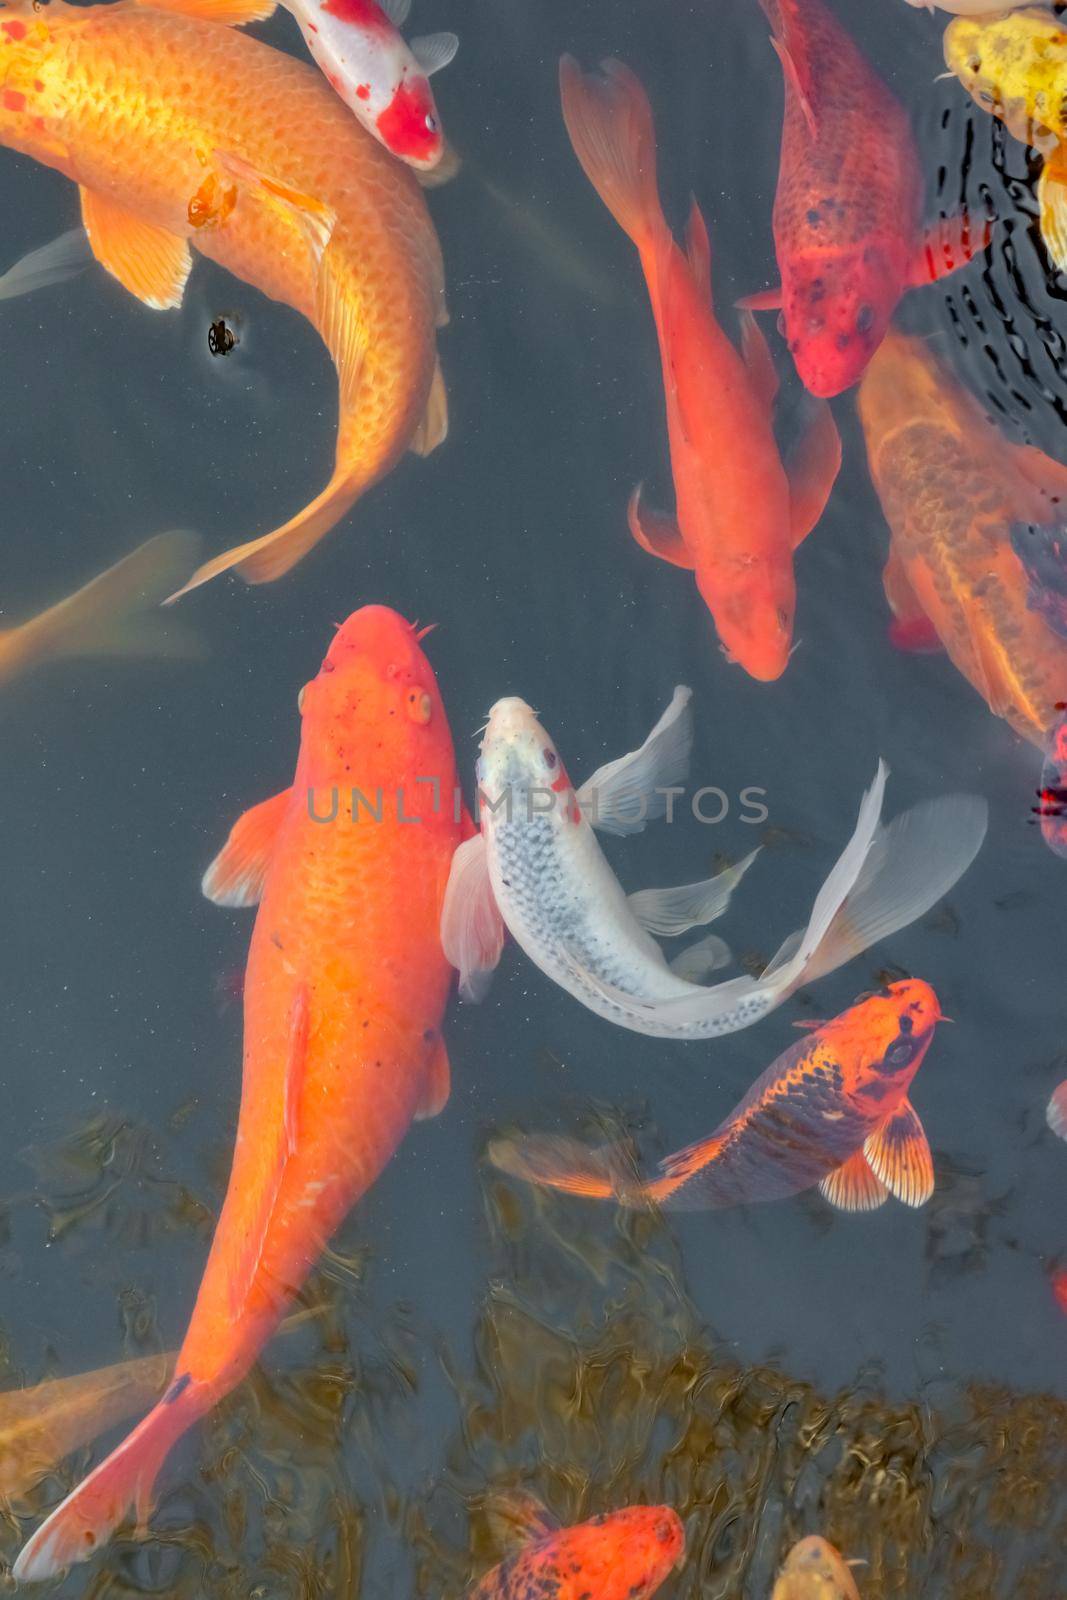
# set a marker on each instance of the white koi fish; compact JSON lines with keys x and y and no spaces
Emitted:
{"x":537,"y":869}
{"x":379,"y":76}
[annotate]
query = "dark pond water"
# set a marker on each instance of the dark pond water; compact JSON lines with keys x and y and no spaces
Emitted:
{"x":895,"y":1380}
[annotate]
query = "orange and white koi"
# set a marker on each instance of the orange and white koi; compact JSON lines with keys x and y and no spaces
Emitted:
{"x":814,"y":1570}
{"x":380,"y":77}
{"x":832,"y":1110}
{"x":181,"y":133}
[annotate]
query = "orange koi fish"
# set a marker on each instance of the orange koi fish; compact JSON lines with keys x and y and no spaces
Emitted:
{"x":848,"y":230}
{"x":181,"y":132}
{"x":344,"y":994}
{"x":740,"y":516}
{"x":619,"y":1555}
{"x":965,"y":566}
{"x":832,"y":1110}
{"x":813,"y":1570}
{"x":114,"y":615}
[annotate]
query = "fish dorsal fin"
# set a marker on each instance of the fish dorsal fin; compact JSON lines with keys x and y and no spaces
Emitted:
{"x":438,"y":1085}
{"x":433,"y":429}
{"x":396,"y":10}
{"x":812,"y":469}
{"x":698,"y":248}
{"x":149,"y":261}
{"x":472,"y":929}
{"x":236,"y":876}
{"x":519,"y":1519}
{"x":246,"y":1266}
{"x":673,"y":911}
{"x":624,"y":794}
{"x":315,"y":220}
{"x":230,"y":13}
{"x":899,"y":1155}
{"x":344,"y":334}
{"x":854,"y":1187}
{"x":657,"y":531}
{"x":433,"y":51}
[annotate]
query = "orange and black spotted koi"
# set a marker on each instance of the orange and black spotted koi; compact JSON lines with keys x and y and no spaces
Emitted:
{"x":1051,"y":808}
{"x":619,"y":1555}
{"x":831,"y":1111}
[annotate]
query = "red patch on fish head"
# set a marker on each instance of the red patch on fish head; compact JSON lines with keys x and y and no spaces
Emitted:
{"x":753,"y":608}
{"x":14,"y":28}
{"x":375,"y":710}
{"x":836,"y":311}
{"x":365,"y":14}
{"x":409,"y":127}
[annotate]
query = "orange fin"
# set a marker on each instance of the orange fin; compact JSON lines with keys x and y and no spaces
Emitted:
{"x":758,"y":359}
{"x":1056,"y":1114}
{"x":946,"y":245}
{"x":248,"y":1259}
{"x":910,"y":629}
{"x":231,"y":12}
{"x":150,"y":262}
{"x":557,"y":1163}
{"x":899,"y":1156}
{"x":657,"y":532}
{"x":609,"y":121}
{"x":433,"y":429}
{"x":519,"y":1519}
{"x":854,"y":1187}
{"x":793,"y":80}
{"x":916,"y":636}
{"x":438,"y":1085}
{"x":472,"y":929}
{"x":812,"y":468}
{"x":698,"y":249}
{"x":235,"y":877}
{"x":762,"y":300}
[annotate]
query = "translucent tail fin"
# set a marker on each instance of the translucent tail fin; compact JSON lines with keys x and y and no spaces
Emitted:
{"x":114,"y":615}
{"x":121,"y":1483}
{"x":610,"y":125}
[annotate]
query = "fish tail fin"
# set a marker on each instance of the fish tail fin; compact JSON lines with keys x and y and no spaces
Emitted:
{"x":885,"y":879}
{"x":609,"y":121}
{"x":603,"y":1173}
{"x":271,"y":556}
{"x":116,"y":614}
{"x":122,"y":1482}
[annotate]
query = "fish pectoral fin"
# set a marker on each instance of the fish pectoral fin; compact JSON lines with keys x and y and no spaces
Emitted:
{"x":762,"y":372}
{"x":472,"y":929}
{"x":698,"y":248}
{"x":1052,"y":200}
{"x":762,"y":300}
{"x":898,"y":1154}
{"x":518,"y":1519}
{"x":812,"y":469}
{"x":233,"y":13}
{"x":947,"y":244}
{"x":698,"y":961}
{"x":438,"y":1085}
{"x":657,"y":532}
{"x":433,"y":429}
{"x":911,"y":628}
{"x":52,"y":263}
{"x":670,"y":912}
{"x":397,"y":11}
{"x":235,"y":877}
{"x":151,"y":262}
{"x":854,"y":1187}
{"x":607,"y":798}
{"x":433,"y":51}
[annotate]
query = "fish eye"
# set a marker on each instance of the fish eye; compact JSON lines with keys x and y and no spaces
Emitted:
{"x":550,"y":758}
{"x":431,"y":122}
{"x":419,"y":706}
{"x":864,"y":319}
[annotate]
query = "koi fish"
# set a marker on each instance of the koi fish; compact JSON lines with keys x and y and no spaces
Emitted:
{"x":115,"y":615}
{"x":619,"y":1555}
{"x":975,"y":8}
{"x":954,"y":577}
{"x":180,"y":133}
{"x":848,"y":230}
{"x":381,"y":78}
{"x":537,"y":869}
{"x":1051,"y":808}
{"x":1014,"y":66}
{"x":740,"y":515}
{"x":813,"y":1570}
{"x":832,"y":1110}
{"x":344,"y":994}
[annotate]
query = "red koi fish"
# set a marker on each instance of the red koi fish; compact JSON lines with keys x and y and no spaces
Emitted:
{"x":832,"y":1110}
{"x":619,"y":1555}
{"x":740,"y":515}
{"x":344,"y":994}
{"x":848,"y":230}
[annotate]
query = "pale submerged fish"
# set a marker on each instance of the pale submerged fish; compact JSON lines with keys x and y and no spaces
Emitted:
{"x":537,"y":869}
